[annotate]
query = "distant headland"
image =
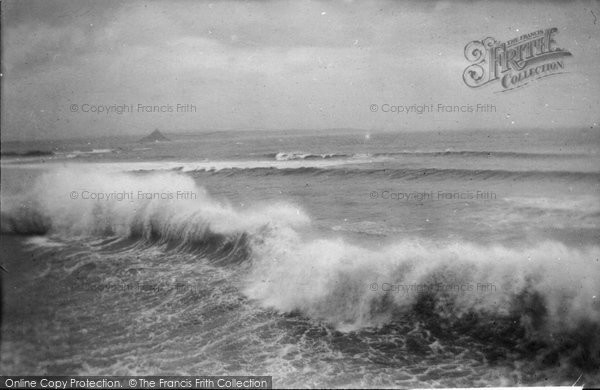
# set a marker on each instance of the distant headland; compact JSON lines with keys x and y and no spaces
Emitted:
{"x":155,"y":136}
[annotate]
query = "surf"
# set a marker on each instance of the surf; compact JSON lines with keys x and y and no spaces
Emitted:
{"x":283,"y":264}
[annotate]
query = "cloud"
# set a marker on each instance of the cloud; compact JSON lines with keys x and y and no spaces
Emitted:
{"x":274,"y":64}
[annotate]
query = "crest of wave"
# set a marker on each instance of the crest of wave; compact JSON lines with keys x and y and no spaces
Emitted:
{"x":133,"y":204}
{"x":549,"y":287}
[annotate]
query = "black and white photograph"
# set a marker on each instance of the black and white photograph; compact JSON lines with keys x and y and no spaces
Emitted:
{"x":251,"y":194}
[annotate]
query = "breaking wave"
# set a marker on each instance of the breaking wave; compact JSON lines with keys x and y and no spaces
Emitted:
{"x":523,"y":297}
{"x":284,"y":156}
{"x":288,"y":156}
{"x":137,"y":207}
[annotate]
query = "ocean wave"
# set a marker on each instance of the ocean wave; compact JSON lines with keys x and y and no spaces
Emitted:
{"x":298,"y":155}
{"x":288,"y":156}
{"x":544,"y":298}
{"x":357,"y":168}
{"x":199,"y":224}
{"x":78,"y":153}
{"x":481,"y":153}
{"x":588,"y":203}
{"x":411,"y":173}
{"x":187,"y":166}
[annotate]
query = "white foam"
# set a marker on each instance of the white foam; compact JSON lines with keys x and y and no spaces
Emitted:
{"x":326,"y":278}
{"x":191,"y":166}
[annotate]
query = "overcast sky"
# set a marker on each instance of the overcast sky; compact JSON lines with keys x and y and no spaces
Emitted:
{"x":281,"y":65}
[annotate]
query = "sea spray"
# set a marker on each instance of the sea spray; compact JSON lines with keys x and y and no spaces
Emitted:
{"x":536,"y":296}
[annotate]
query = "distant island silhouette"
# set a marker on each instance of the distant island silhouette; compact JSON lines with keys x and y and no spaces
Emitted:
{"x":155,"y":136}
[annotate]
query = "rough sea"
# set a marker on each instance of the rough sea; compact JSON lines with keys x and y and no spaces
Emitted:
{"x":330,"y":258}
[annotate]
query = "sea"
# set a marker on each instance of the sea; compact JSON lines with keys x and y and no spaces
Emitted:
{"x":331,"y":258}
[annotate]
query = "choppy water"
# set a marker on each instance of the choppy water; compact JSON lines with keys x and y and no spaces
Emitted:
{"x":339,"y":259}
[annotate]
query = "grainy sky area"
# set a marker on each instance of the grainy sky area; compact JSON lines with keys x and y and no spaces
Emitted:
{"x":281,"y":65}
